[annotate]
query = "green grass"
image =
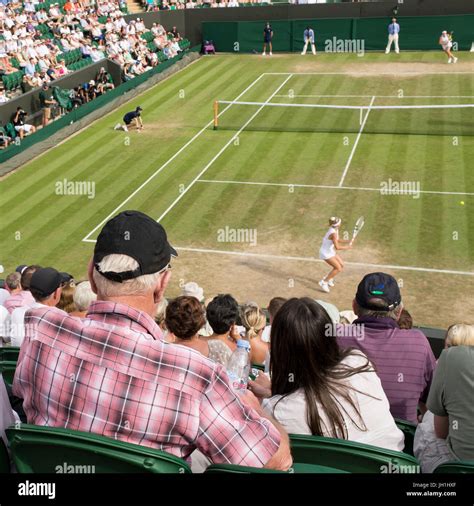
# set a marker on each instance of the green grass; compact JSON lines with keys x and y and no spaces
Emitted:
{"x":432,"y":231}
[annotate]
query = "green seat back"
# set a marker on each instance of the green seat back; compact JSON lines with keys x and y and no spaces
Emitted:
{"x":296,"y":468}
{"x":408,"y":429}
{"x":7,"y":368}
{"x":349,"y":456}
{"x":9,"y":353}
{"x":37,"y":449}
{"x":458,"y":467}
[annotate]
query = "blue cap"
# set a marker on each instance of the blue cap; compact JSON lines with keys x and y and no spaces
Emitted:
{"x":242,"y":343}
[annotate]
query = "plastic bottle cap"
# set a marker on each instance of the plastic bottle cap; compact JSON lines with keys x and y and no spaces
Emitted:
{"x":242,"y":343}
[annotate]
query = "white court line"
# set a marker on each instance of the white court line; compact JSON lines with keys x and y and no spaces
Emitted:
{"x":331,"y":187}
{"x":378,"y":96}
{"x":86,"y":238}
{"x":346,"y":168}
{"x":314,"y":259}
{"x":408,"y":72}
{"x":231,"y":140}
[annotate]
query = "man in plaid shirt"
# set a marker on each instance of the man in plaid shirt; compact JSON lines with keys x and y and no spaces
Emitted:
{"x":112,"y":373}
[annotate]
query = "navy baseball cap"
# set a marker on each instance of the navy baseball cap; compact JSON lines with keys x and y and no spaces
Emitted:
{"x":136,"y":235}
{"x":21,"y":268}
{"x":381,"y":286}
{"x":45,"y":281}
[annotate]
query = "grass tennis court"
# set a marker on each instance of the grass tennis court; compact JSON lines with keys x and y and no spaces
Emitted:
{"x":247,"y":204}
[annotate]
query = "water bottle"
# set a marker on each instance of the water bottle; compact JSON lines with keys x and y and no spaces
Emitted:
{"x":238,"y":367}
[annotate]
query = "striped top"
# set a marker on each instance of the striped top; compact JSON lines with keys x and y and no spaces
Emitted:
{"x":403,"y":360}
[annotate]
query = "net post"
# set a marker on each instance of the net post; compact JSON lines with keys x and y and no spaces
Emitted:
{"x":216,"y":114}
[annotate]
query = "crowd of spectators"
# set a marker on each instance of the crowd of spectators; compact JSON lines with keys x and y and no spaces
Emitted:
{"x":167,"y":5}
{"x":36,"y":40}
{"x":342,"y":374}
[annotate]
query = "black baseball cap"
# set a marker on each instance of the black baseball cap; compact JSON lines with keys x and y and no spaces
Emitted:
{"x":66,"y":277}
{"x":137,"y":235}
{"x":21,"y":268}
{"x":45,"y":281}
{"x":378,"y":285}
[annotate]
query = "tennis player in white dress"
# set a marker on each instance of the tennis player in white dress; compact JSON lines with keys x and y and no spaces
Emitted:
{"x":446,"y":43}
{"x":328,"y":252}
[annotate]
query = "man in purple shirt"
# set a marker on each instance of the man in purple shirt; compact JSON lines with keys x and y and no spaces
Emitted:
{"x":402,"y":358}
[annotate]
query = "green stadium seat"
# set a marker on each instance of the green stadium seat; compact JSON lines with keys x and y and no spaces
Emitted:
{"x":349,"y":456}
{"x":11,"y":132}
{"x":408,"y":429}
{"x":4,"y":458}
{"x":9,"y":353}
{"x":7,"y":368}
{"x":295,"y":469}
{"x":37,"y":449}
{"x":457,"y":467}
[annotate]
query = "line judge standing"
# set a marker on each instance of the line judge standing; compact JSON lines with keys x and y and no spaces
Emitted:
{"x":393,"y":31}
{"x":308,"y":37}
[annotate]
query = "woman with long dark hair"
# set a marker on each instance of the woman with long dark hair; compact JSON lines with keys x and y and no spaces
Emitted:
{"x":317,"y":388}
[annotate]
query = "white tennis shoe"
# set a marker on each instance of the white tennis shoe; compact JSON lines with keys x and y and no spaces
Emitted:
{"x":324,"y":286}
{"x":118,"y":126}
{"x":331,"y":283}
{"x":455,"y":60}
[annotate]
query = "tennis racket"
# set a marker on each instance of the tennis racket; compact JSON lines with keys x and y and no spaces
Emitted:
{"x":357,"y":228}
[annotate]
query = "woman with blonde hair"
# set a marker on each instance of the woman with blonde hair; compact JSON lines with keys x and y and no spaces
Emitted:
{"x":66,"y":302}
{"x":328,"y":252}
{"x":459,"y":334}
{"x":253,"y":320}
{"x":443,"y":435}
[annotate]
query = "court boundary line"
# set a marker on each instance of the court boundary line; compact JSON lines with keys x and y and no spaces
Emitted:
{"x":229,"y":142}
{"x":356,"y":142}
{"x":318,"y":260}
{"x":378,"y":96}
{"x":332,"y":187}
{"x":165,"y":164}
{"x":410,"y":72}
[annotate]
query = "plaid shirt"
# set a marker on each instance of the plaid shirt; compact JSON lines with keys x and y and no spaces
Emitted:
{"x":112,"y":374}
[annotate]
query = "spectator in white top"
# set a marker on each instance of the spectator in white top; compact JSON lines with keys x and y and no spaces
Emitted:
{"x":96,"y":55}
{"x":317,"y":388}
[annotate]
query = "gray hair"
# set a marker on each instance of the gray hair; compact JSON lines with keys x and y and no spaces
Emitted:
{"x":362,"y":311}
{"x":161,"y":311}
{"x":13,"y":280}
{"x":122,"y":263}
{"x":83,"y":296}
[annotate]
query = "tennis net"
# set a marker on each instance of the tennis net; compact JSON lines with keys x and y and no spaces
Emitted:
{"x":427,"y":119}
